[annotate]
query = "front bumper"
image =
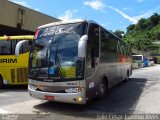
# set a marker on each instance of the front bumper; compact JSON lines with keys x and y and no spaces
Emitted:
{"x":74,"y":98}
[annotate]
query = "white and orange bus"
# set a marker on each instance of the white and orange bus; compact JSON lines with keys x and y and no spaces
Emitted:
{"x":75,"y":61}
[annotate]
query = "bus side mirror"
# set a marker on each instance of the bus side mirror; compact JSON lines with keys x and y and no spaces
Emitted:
{"x":82,"y":46}
{"x":18,"y":47}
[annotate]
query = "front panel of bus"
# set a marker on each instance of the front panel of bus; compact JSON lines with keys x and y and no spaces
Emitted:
{"x":56,"y":72}
{"x":138,"y":60}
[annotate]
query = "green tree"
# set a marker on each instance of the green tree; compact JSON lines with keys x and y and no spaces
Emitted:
{"x":141,"y":24}
{"x":142,"y":35}
{"x":119,"y":33}
{"x":158,"y":35}
{"x":155,"y":19}
{"x":130,"y":28}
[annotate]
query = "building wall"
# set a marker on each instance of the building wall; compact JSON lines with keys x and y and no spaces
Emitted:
{"x":11,"y":15}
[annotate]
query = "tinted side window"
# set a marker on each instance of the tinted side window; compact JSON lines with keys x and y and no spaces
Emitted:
{"x":7,"y":47}
{"x":123,"y":48}
{"x":108,"y":41}
{"x":92,"y":48}
{"x":108,"y":47}
{"x":26,"y":48}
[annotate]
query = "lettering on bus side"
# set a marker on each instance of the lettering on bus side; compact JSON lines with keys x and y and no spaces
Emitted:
{"x":8,"y":60}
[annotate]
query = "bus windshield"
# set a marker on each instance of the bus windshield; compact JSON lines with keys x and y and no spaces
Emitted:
{"x":137,"y":58}
{"x":55,"y":52}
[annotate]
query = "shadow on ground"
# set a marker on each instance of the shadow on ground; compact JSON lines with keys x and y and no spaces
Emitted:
{"x":14,"y":88}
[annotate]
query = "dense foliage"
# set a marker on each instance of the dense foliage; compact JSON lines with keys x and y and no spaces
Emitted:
{"x":142,"y":35}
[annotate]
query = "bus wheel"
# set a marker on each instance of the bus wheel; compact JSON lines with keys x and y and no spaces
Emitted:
{"x":126,"y":80}
{"x":102,"y":89}
{"x":1,"y":82}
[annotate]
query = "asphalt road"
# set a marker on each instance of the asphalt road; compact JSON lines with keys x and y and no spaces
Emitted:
{"x":140,"y":95}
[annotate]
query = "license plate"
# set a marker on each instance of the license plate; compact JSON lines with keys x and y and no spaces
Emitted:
{"x":49,"y":97}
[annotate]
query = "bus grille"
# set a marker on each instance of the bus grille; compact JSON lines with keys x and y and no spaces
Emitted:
{"x":13,"y":75}
{"x":22,"y":74}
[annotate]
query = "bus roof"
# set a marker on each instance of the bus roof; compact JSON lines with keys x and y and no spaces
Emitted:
{"x":30,"y":37}
{"x":65,"y":22}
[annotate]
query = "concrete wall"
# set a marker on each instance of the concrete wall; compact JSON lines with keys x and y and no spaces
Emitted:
{"x":11,"y":15}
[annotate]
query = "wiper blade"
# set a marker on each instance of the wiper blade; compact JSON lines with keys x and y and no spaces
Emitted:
{"x":57,"y":62}
{"x":35,"y":72}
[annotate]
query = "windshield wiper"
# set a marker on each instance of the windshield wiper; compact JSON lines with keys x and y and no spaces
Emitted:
{"x":57,"y":62}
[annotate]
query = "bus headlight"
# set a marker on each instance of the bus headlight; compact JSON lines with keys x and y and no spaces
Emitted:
{"x":78,"y":99}
{"x":74,"y":90}
{"x":32,"y":87}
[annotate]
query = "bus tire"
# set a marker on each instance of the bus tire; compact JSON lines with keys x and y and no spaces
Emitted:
{"x":102,"y":89}
{"x":126,"y":80}
{"x":1,"y":82}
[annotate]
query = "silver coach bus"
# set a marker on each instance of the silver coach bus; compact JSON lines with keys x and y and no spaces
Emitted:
{"x":76,"y":61}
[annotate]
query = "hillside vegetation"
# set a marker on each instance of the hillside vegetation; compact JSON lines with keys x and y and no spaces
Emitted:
{"x":142,"y":35}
